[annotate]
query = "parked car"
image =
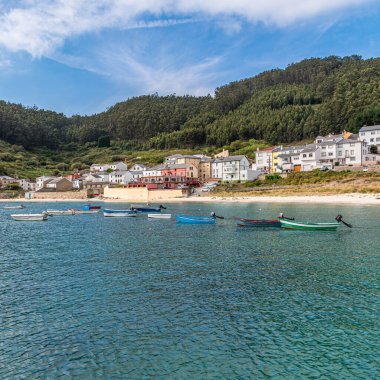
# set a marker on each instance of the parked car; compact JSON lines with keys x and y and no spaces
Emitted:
{"x":206,"y":188}
{"x":324,"y":169}
{"x":184,"y":187}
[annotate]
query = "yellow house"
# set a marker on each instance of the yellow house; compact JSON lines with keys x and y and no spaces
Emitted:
{"x":205,"y":169}
{"x":274,"y":163}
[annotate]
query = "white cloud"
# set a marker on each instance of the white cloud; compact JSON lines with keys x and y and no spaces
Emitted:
{"x":39,"y":27}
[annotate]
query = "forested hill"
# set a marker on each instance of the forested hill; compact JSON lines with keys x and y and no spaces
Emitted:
{"x":314,"y":96}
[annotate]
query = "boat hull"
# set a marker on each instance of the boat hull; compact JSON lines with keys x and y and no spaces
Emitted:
{"x":87,"y":211}
{"x":60,"y":212}
{"x":119,"y":214}
{"x":159,"y":216}
{"x":13,"y":207}
{"x":304,"y":226}
{"x":145,"y":209}
{"x":195,"y":219}
{"x":112,"y":211}
{"x":29,"y":217}
{"x":258,"y":223}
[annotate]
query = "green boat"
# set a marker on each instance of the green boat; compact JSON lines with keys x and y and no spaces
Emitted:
{"x":305,"y":226}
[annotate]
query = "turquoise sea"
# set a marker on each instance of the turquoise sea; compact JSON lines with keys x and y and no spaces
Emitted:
{"x":88,"y":297}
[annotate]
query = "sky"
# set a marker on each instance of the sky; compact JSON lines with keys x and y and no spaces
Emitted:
{"x":83,"y":56}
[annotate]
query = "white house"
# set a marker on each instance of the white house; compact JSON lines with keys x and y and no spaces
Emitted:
{"x":94,"y":178}
{"x":6,"y":180}
{"x":119,"y":166}
{"x":27,"y":185}
{"x":40,"y":181}
{"x":136,"y":174}
{"x":343,"y":151}
{"x":232,"y":168}
{"x":263,"y":158}
{"x":172,"y":159}
{"x":138,"y":167}
{"x":370,"y":135}
{"x":309,"y":158}
{"x":152,"y":175}
{"x":94,"y":168}
{"x":122,"y":177}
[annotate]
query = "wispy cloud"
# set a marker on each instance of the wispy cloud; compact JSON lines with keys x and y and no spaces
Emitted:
{"x":41,"y":26}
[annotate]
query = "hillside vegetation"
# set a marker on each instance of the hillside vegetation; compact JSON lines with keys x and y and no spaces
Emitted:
{"x":314,"y":96}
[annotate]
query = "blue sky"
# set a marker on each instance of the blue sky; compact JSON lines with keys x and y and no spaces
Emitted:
{"x":82,"y":56}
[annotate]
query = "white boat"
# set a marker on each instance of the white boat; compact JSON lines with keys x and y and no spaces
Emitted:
{"x":86,"y":211}
{"x":30,"y":217}
{"x":119,"y":214}
{"x":60,"y":212}
{"x":14,"y":207}
{"x":160,"y":216}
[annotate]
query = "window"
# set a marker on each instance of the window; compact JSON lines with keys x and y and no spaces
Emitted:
{"x":371,"y":140}
{"x":352,"y":144}
{"x":304,"y":155}
{"x":362,"y":133}
{"x":352,"y":159}
{"x":323,"y":147}
{"x":373,"y":132}
{"x":340,"y":153}
{"x":352,"y":152}
{"x":310,"y":154}
{"x":323,"y":154}
{"x":377,"y":139}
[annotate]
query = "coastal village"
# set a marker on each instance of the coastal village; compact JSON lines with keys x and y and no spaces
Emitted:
{"x":180,"y":174}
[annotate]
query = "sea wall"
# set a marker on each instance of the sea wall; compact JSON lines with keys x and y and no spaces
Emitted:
{"x":142,"y":194}
{"x":59,"y":195}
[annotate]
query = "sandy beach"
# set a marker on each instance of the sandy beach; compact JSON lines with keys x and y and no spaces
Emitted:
{"x":352,"y":199}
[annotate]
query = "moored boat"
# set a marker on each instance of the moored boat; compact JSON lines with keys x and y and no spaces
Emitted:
{"x":160,"y":216}
{"x":87,"y":211}
{"x":195,"y":219}
{"x":30,"y":217}
{"x":262,"y":223}
{"x":140,"y":208}
{"x":123,"y":211}
{"x":60,"y":212}
{"x":119,"y":214}
{"x":307,"y":226}
{"x":13,"y":207}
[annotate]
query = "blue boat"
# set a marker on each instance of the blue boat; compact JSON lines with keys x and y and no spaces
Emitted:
{"x":195,"y":219}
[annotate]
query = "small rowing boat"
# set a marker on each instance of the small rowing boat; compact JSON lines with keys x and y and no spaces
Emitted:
{"x":307,"y":226}
{"x":13,"y":207}
{"x":87,"y":211}
{"x":140,"y":208}
{"x":195,"y":219}
{"x":29,"y":217}
{"x":262,"y":223}
{"x":120,"y":214}
{"x":160,"y":216}
{"x":60,"y":212}
{"x":123,"y":211}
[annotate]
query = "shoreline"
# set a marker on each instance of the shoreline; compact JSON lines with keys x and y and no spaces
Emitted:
{"x":350,"y":199}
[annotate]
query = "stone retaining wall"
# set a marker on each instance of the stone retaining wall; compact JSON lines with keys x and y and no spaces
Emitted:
{"x":57,"y":195}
